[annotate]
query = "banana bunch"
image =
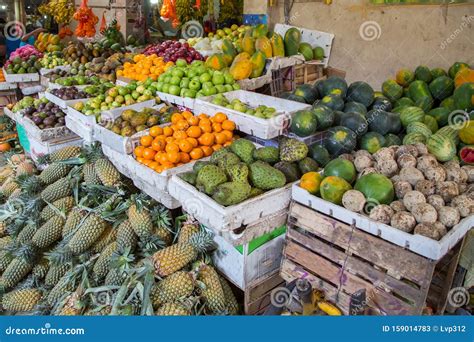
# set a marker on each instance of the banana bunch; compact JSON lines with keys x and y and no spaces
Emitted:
{"x":185,"y":10}
{"x":61,"y":10}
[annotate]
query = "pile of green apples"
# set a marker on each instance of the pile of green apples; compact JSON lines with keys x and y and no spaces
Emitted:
{"x":118,"y":96}
{"x":51,"y":60}
{"x":195,"y":80}
{"x":262,"y":111}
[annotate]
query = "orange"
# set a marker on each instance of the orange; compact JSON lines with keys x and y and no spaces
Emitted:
{"x":170,"y":140}
{"x":174,"y":157}
{"x":207,"y":139}
{"x":220,"y":117}
{"x":220,"y":138}
{"x":228,"y":134}
{"x":158,"y":145}
{"x":167,"y":131}
{"x":203,"y":116}
{"x":207,"y":150}
{"x":158,"y":156}
{"x":140,"y":160}
{"x":156,"y":131}
{"x":153,"y":164}
{"x":167,"y":166}
{"x":147,"y":162}
{"x":149,"y":154}
{"x":206,"y":128}
{"x":158,"y":168}
{"x":138,"y":151}
{"x":176,"y":117}
{"x":182,"y":125}
{"x":186,"y":114}
{"x":172,"y":147}
{"x":193,"y":141}
{"x":227,"y":143}
{"x":179,"y":135}
{"x":146,"y":140}
{"x":194,"y":132}
{"x":228,"y":125}
{"x":216,"y":147}
{"x":184,"y":157}
{"x":193,"y":121}
{"x":196,"y":153}
{"x":185,"y":146}
{"x":205,"y":121}
{"x":217,"y":127}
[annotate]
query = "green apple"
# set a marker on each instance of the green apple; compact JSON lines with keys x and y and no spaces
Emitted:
{"x":220,"y":88}
{"x":184,"y":83}
{"x":218,"y":78}
{"x":228,"y":78}
{"x":181,"y":62}
{"x":175,"y":80}
{"x":228,"y":87}
{"x":177,"y":73}
{"x":210,"y":91}
{"x":191,"y":73}
{"x":174,"y":90}
{"x":159,"y":86}
{"x":236,"y":86}
{"x":206,"y":77}
{"x":195,"y":85}
{"x":189,"y":93}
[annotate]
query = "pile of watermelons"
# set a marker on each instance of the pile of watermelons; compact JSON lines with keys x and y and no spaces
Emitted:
{"x":434,"y":107}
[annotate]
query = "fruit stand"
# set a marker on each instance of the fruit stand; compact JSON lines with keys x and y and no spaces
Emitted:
{"x":167,"y":178}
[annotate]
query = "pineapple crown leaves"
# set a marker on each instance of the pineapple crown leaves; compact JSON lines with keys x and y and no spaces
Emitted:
{"x":141,"y":201}
{"x":28,"y":252}
{"x":60,"y":255}
{"x":122,"y":259}
{"x":43,"y":159}
{"x":150,"y":245}
{"x":161,"y":217}
{"x":56,"y":210}
{"x":202,"y":241}
{"x":30,"y":185}
{"x":88,"y":154}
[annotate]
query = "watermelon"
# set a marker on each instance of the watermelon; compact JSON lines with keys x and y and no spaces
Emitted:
{"x":419,"y":127}
{"x":420,"y":93}
{"x":292,"y":41}
{"x":335,"y":102}
{"x":372,"y":142}
{"x":306,"y":50}
{"x":423,"y":73}
{"x":337,"y":117}
{"x":405,"y":77}
{"x":324,"y":115}
{"x":437,"y":72}
{"x":361,"y":92}
{"x":319,"y":154}
{"x":296,"y":98}
{"x":411,"y":114}
{"x":304,"y":123}
{"x":431,"y":123}
{"x":383,"y":122}
{"x":318,"y":85}
{"x":333,"y":188}
{"x":453,"y":70}
{"x":414,"y":138}
{"x":404,"y":102}
{"x":341,"y":168}
{"x":356,"y":122}
{"x":355,"y":107}
{"x":441,"y":115}
{"x":376,"y":188}
{"x":382,"y":103}
{"x":392,"y":90}
{"x":318,"y":53}
{"x":392,"y":139}
{"x":442,"y":87}
{"x":466,"y":154}
{"x":340,"y":140}
{"x":450,"y":132}
{"x":464,"y":97}
{"x":448,"y":103}
{"x":309,"y":93}
{"x":332,"y":83}
{"x":442,"y":147}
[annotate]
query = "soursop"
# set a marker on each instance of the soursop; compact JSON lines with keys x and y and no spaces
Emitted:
{"x":255,"y":192}
{"x":244,"y":150}
{"x":268,"y":154}
{"x":266,"y":177}
{"x":228,"y":160}
{"x":238,"y":172}
{"x":209,"y":177}
{"x":189,"y":177}
{"x":292,"y":150}
{"x":231,"y":193}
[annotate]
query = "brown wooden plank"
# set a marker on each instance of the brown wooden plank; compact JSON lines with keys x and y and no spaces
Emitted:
{"x":346,"y":281}
{"x":374,"y":249}
{"x":257,"y":307}
{"x":356,"y":266}
{"x":264,"y":287}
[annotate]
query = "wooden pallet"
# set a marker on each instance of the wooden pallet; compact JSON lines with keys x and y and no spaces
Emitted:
{"x":340,"y":260}
{"x":257,"y":297}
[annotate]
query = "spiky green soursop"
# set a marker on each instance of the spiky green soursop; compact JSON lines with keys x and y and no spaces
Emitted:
{"x":209,"y":177}
{"x":268,"y":154}
{"x":238,"y":172}
{"x":189,"y":177}
{"x":243,"y":149}
{"x":266,"y":177}
{"x":231,"y":193}
{"x":292,"y":150}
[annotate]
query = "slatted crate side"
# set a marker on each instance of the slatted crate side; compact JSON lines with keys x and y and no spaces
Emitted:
{"x":257,"y":297}
{"x":307,"y":73}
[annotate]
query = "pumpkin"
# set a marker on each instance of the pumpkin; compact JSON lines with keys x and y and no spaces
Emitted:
{"x":465,"y":75}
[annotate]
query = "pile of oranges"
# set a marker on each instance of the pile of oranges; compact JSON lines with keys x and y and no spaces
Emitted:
{"x":188,"y":138}
{"x":2,"y":76}
{"x":144,"y":67}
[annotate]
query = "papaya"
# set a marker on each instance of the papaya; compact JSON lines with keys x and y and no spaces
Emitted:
{"x":278,"y":46}
{"x":241,"y":67}
{"x":263,"y":44}
{"x":292,"y":41}
{"x":217,"y":61}
{"x":248,"y":45}
{"x":466,"y":134}
{"x":464,"y":75}
{"x":258,"y":64}
{"x":259,"y":31}
{"x":228,"y":48}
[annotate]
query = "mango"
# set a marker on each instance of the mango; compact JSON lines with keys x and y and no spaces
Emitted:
{"x":263,"y":44}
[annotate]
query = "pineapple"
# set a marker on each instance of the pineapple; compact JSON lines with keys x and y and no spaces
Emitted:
{"x":172,"y":309}
{"x":114,"y":277}
{"x":8,"y":188}
{"x":3,"y":229}
{"x":232,"y":305}
{"x":64,"y":153}
{"x":48,"y":233}
{"x":90,"y":175}
{"x":53,"y":173}
{"x":140,"y":221}
{"x":15,"y":194}
{"x":27,"y":233}
{"x":5,"y":259}
{"x":5,"y":173}
{"x":64,"y":205}
{"x":21,"y":300}
{"x":89,"y":231}
{"x":59,"y":189}
{"x":5,"y":241}
{"x":104,"y":239}
{"x":212,"y":291}
{"x":174,"y":287}
{"x":107,"y":173}
{"x":186,"y":231}
{"x":164,"y":235}
{"x":102,"y":265}
{"x":73,"y":220}
{"x":40,"y":270}
{"x":55,"y":273}
{"x":72,"y":306}
{"x":16,"y":271}
{"x":126,"y":237}
{"x":25,"y":168}
{"x":62,"y":287}
{"x":100,"y":311}
{"x":177,"y":256}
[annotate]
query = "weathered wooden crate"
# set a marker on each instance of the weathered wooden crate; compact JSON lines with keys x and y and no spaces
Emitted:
{"x":257,"y":296}
{"x":307,"y":72}
{"x":340,"y":260}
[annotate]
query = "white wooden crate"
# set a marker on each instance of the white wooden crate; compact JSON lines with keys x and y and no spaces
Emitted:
{"x":222,"y":219}
{"x":45,"y":134}
{"x":7,"y":86}
{"x":161,"y":196}
{"x":83,"y":131}
{"x":16,"y":78}
{"x":40,"y":148}
{"x":44,"y":71}
{"x":177,"y":100}
{"x":58,"y":86}
{"x":86,"y":120}
{"x":261,"y":128}
{"x":418,"y":244}
{"x":12,"y":115}
{"x":313,"y":37}
{"x":60,"y":102}
{"x":112,"y":140}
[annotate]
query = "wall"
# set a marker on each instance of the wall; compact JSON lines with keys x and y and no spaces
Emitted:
{"x":395,"y":36}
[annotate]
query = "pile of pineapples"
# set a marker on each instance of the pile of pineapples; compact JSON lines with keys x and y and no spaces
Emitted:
{"x":79,"y":239}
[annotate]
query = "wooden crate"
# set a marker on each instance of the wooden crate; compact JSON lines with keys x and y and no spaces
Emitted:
{"x":257,"y":297}
{"x":341,"y":259}
{"x":307,"y":72}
